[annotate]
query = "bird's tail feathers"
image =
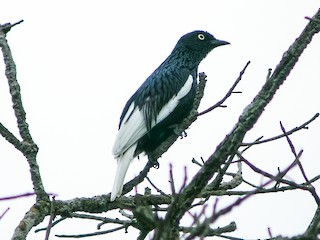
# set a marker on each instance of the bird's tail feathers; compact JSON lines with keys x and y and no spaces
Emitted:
{"x":123,"y":165}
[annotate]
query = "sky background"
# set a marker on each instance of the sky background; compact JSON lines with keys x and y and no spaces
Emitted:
{"x":78,"y":62}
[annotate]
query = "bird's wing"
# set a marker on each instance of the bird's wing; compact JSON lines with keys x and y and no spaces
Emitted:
{"x":173,"y":102}
{"x":133,"y":125}
{"x":130,"y":131}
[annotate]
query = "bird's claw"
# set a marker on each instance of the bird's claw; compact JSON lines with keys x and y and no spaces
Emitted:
{"x":154,"y":162}
{"x":156,"y":165}
{"x":181,"y":134}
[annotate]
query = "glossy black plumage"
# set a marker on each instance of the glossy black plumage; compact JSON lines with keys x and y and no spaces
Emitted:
{"x":161,"y":102}
{"x":159,"y":88}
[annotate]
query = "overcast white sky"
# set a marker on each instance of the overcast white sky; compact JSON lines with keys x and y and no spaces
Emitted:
{"x":78,"y":62}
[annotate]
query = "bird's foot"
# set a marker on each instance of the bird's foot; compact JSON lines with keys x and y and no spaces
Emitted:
{"x":183,"y":134}
{"x":154,"y":162}
{"x":179,"y":133}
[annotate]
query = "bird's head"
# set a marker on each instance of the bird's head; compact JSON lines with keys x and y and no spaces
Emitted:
{"x":200,"y":41}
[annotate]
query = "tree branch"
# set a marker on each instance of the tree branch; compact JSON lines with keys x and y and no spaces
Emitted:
{"x":27,"y":146}
{"x":6,"y":134}
{"x":218,"y":104}
{"x":287,"y":133}
{"x":246,"y":121}
{"x":184,"y":198}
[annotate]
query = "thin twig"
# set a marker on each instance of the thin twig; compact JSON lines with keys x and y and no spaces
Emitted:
{"x":313,"y":20}
{"x":293,"y":150}
{"x":17,"y":196}
{"x":311,"y":188}
{"x":196,"y":162}
{"x":156,"y":188}
{"x":91,"y":234}
{"x":52,"y":216}
{"x":230,"y":237}
{"x":138,"y":179}
{"x":218,"y":104}
{"x":53,"y":224}
{"x":213,"y":232}
{"x":268,"y":175}
{"x":185,"y":179}
{"x":280,"y":175}
{"x":215,"y":184}
{"x":302,"y":126}
{"x":6,"y":134}
{"x":4,"y":213}
{"x":173,"y":189}
{"x":259,"y":191}
{"x":313,"y":228}
{"x":7,"y":26}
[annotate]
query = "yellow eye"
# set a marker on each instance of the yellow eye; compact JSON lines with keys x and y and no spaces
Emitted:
{"x":201,"y":36}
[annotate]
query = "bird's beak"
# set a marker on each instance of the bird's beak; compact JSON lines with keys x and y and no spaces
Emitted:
{"x":217,"y":42}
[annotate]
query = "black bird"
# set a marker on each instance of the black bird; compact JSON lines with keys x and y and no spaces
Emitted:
{"x":160,"y":103}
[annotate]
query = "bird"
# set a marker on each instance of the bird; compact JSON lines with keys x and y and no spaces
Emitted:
{"x":162,"y":102}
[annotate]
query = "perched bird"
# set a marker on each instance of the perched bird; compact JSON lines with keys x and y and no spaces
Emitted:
{"x":160,"y":103}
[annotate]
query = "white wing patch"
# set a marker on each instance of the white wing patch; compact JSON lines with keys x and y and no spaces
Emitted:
{"x":132,"y":129}
{"x":173,"y":102}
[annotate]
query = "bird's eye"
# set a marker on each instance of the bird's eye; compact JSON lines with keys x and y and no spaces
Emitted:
{"x":201,"y":36}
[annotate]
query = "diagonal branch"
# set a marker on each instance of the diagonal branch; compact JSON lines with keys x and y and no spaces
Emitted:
{"x":312,"y":190}
{"x":11,"y":74}
{"x":302,"y":126}
{"x":246,"y":121}
{"x":6,"y":134}
{"x":313,"y":228}
{"x":201,"y":228}
{"x":27,"y":146}
{"x":218,"y":104}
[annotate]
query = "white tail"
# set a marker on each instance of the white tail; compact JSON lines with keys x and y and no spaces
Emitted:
{"x":124,"y":161}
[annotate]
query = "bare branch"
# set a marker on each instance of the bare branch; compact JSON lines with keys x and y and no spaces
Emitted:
{"x":4,"y":213}
{"x":231,"y":90}
{"x":279,"y":176}
{"x":313,"y":19}
{"x":6,"y":134}
{"x":173,"y":189}
{"x":313,"y":228}
{"x":268,"y":175}
{"x":53,"y":224}
{"x":231,"y":227}
{"x":17,"y":196}
{"x":216,"y":183}
{"x":7,"y":26}
{"x":246,"y":121}
{"x":311,"y":189}
{"x":196,"y":162}
{"x":91,"y":234}
{"x":52,"y":216}
{"x":185,"y":179}
{"x":142,"y":210}
{"x":287,"y":133}
{"x":27,"y":146}
{"x":14,"y":87}
{"x":155,"y":187}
